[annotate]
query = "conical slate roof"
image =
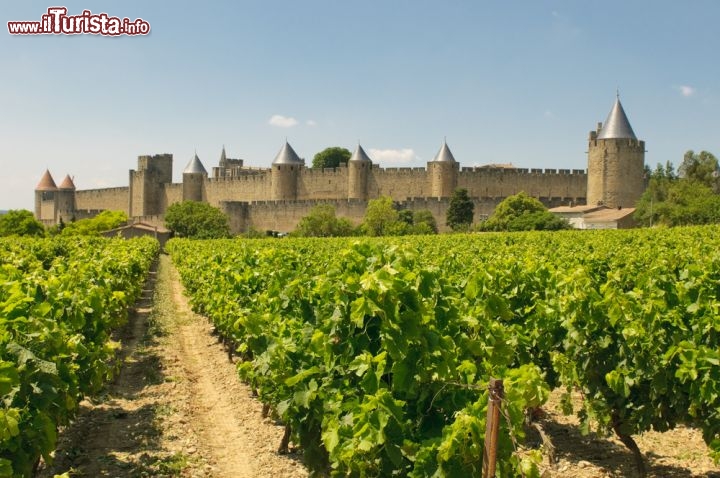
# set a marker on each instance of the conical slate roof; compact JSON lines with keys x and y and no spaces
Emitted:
{"x":195,"y":166}
{"x":287,"y":155}
{"x":360,"y":155}
{"x":67,"y":183}
{"x":617,"y":124}
{"x":223,"y":158}
{"x":47,"y":183}
{"x":444,"y":155}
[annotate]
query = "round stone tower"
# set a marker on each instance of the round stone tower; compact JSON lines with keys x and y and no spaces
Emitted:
{"x":359,"y":167}
{"x":616,"y":162}
{"x":194,"y":177}
{"x":443,"y":170}
{"x":285,"y":171}
{"x":65,"y":199}
{"x":45,"y":192}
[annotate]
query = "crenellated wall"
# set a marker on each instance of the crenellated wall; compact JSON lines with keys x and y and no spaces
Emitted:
{"x":284,"y":216}
{"x":323,"y":184}
{"x":277,"y":199}
{"x":504,"y":182}
{"x":249,"y":199}
{"x":398,"y":183}
{"x":115,"y":199}
{"x":241,"y":188}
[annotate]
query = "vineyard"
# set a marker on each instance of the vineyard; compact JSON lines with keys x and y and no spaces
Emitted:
{"x":60,"y":300}
{"x":377,"y":354}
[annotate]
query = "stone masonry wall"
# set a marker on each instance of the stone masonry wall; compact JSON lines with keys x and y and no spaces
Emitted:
{"x":284,"y":216}
{"x":398,"y":183}
{"x":114,"y":199}
{"x":502,"y":182}
{"x":243,"y":188}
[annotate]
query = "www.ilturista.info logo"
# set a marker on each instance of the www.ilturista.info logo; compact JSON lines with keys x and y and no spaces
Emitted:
{"x":58,"y":22}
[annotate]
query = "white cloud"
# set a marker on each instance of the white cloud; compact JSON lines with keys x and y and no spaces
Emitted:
{"x":392,"y":156}
{"x":686,"y":90}
{"x":311,"y":123}
{"x":282,"y":121}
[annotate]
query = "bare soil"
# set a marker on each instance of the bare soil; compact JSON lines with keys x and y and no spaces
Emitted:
{"x":177,"y":408}
{"x":678,"y":453}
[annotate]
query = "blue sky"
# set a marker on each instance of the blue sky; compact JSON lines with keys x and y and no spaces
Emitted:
{"x":519,"y":82}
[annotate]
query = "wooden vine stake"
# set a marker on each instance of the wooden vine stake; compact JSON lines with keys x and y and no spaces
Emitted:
{"x":496,"y":394}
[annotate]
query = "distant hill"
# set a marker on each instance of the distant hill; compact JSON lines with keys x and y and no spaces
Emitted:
{"x":3,"y":211}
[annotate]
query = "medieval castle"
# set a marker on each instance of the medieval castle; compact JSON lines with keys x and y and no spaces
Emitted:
{"x":276,"y":198}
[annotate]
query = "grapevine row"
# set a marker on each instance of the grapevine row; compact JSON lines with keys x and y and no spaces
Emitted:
{"x":60,"y":300}
{"x":376,"y":353}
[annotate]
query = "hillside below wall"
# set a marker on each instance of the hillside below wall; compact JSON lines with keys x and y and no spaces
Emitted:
{"x":115,"y":199}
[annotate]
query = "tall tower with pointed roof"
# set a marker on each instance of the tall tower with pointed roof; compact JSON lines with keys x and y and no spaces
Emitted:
{"x":616,"y":162}
{"x":65,"y":200}
{"x":45,"y":192}
{"x":194,"y":176}
{"x":359,"y":167}
{"x":443,"y":171}
{"x":284,"y":176}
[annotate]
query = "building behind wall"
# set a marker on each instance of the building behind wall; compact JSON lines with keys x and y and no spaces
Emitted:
{"x":276,"y":198}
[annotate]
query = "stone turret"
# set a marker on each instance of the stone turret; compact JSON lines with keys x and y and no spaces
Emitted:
{"x":359,"y":167}
{"x":443,"y":171}
{"x":194,"y":177}
{"x":616,"y":162}
{"x":45,"y":192}
{"x":65,"y":200}
{"x":284,"y":176}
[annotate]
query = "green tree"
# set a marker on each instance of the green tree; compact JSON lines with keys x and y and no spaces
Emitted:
{"x":523,"y":213}
{"x":197,"y":220}
{"x":684,"y":199}
{"x":701,"y":167}
{"x":382,"y":219}
{"x":651,"y":205}
{"x":424,"y":222}
{"x":459,"y":215}
{"x":331,"y":157}
{"x":690,"y":202}
{"x":322,"y":222}
{"x":20,"y":222}
{"x":104,"y":221}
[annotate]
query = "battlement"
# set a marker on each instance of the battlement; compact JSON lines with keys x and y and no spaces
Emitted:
{"x":257,"y":176}
{"x":154,"y":162}
{"x":495,"y":171}
{"x":404,"y":170}
{"x":616,"y":142}
{"x":102,"y":190}
{"x":328,"y":171}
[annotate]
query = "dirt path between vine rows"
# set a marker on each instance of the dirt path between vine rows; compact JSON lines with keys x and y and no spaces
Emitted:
{"x":177,"y":407}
